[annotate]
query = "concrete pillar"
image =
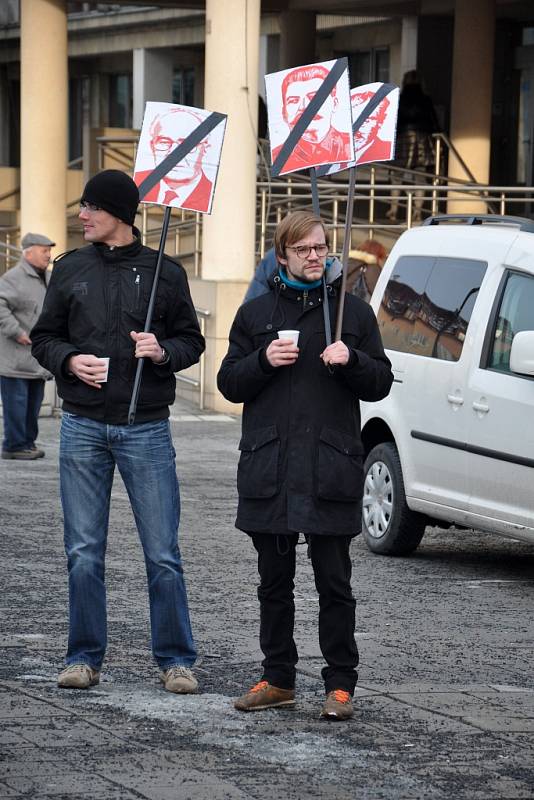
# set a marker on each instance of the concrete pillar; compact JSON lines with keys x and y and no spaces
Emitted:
{"x":228,"y":237}
{"x":408,"y":45}
{"x":231,"y":86}
{"x":4,"y":120}
{"x":43,"y":118}
{"x":297,"y":38}
{"x":152,"y":79}
{"x":471,"y":95}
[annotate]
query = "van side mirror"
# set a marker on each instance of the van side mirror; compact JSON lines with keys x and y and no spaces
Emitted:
{"x":522,"y":353}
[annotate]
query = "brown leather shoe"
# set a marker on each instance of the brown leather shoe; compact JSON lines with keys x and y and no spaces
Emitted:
{"x":338,"y":705}
{"x":263,"y":695}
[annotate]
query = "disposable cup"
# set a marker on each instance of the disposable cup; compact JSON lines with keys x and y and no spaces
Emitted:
{"x":105,"y":361}
{"x":293,"y":335}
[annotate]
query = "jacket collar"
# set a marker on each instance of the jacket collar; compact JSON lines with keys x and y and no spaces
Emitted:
{"x":118,"y":253}
{"x":30,"y":270}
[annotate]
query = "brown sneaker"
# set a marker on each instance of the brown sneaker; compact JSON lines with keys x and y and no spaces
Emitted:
{"x":22,"y":455}
{"x":179,"y":680}
{"x":263,"y":695}
{"x":338,"y":705}
{"x":78,"y":676}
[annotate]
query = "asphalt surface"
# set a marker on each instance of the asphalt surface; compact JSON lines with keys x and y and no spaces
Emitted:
{"x":444,"y":706}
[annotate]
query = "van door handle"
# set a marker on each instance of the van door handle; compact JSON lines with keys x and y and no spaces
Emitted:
{"x":483,"y":408}
{"x":455,"y":400}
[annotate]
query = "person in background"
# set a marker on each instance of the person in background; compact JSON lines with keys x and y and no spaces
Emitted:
{"x":417,"y":121}
{"x":22,"y":379}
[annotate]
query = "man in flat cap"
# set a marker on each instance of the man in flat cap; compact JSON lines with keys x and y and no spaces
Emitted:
{"x":22,"y":379}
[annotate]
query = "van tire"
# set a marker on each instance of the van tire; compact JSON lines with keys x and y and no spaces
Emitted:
{"x":388,"y":525}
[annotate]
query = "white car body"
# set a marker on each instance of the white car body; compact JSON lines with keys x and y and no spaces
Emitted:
{"x":464,"y":431}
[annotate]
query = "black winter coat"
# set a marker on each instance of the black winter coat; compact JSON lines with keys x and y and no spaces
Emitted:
{"x":96,"y":296}
{"x":301,"y":452}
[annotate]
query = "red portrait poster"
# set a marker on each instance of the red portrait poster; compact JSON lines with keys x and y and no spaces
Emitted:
{"x":309,"y":116}
{"x":190,"y":182}
{"x":374,"y":136}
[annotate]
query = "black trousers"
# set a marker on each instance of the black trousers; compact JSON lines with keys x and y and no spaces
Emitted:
{"x":332,"y":571}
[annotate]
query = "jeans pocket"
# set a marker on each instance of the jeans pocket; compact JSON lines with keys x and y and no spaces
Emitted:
{"x":339,"y":469}
{"x":257,"y":471}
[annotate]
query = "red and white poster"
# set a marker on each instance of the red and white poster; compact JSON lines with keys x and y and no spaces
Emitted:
{"x":190,"y":182}
{"x":309,"y":116}
{"x":374,"y":139}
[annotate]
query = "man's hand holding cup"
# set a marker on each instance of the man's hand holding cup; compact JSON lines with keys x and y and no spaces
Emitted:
{"x":283,"y":352}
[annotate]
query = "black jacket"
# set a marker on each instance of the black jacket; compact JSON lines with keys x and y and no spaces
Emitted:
{"x":301,"y":453}
{"x":96,"y":296}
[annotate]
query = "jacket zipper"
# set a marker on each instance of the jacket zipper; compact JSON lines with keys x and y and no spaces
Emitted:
{"x":304,"y":299}
{"x":137,"y":291}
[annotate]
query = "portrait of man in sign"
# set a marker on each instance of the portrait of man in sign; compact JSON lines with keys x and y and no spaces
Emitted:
{"x":189,"y":184}
{"x":327,"y":137}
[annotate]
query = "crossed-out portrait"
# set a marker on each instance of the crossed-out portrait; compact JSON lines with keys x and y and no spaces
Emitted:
{"x":327,"y":138}
{"x":375,"y":138}
{"x":190,"y":183}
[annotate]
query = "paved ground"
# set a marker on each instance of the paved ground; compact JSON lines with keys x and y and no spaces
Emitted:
{"x":445,"y":705}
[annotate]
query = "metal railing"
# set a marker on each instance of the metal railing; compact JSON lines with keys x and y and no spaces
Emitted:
{"x":9,"y":253}
{"x":200,"y":383}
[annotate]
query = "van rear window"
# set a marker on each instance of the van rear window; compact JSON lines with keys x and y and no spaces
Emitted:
{"x":427,"y":305}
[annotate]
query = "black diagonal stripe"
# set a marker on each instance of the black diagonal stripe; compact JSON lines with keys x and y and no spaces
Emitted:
{"x":180,"y":152}
{"x":373,"y":103}
{"x":315,"y":104}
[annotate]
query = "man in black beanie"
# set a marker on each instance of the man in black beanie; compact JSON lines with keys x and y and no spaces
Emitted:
{"x":90,"y":335}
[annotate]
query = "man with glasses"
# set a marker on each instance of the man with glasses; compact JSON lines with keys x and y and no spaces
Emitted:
{"x":300,"y":469}
{"x":90,"y":335}
{"x":186,"y":184}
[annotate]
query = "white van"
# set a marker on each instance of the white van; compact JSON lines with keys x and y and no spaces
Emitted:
{"x":453,"y":443}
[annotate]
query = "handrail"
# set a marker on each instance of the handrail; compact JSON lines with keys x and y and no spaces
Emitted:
{"x":444,"y":138}
{"x":199,"y":384}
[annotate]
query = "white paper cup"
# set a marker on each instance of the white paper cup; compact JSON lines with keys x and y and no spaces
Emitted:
{"x":105,"y":361}
{"x":293,"y":335}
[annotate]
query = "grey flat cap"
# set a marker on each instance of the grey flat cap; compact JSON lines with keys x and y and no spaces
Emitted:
{"x":29,"y":239}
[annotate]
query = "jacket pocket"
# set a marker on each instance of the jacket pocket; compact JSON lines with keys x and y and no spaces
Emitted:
{"x":339,"y":466}
{"x":257,"y":471}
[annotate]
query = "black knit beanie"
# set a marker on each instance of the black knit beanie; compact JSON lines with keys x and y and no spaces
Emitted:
{"x":115,"y":192}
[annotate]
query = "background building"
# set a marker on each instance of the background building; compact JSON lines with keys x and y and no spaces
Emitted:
{"x":74,"y":78}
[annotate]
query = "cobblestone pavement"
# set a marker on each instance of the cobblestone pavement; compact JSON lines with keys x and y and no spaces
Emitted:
{"x":445,"y":704}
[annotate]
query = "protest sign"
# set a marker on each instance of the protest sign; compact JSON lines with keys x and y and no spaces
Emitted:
{"x":375,"y":108}
{"x":309,"y":115}
{"x":178,"y":156}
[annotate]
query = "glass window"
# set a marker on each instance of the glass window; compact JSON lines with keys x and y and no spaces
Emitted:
{"x":368,"y":66}
{"x":516,"y":313}
{"x":381,"y":65}
{"x":427,"y":305}
{"x":120,"y":101}
{"x":183,"y":87}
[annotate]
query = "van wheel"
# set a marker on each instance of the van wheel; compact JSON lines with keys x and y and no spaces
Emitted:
{"x":388,"y":525}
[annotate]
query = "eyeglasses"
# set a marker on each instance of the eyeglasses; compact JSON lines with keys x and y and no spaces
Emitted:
{"x":163,"y":144}
{"x":90,"y":207}
{"x":304,"y":250}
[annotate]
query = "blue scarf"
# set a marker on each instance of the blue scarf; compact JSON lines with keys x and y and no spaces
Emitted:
{"x":300,"y":285}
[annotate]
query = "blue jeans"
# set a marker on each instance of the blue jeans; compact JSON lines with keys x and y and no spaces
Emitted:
{"x":21,"y":402}
{"x":145,"y":457}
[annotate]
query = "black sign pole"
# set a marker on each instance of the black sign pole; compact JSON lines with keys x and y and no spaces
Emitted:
{"x":317,"y":210}
{"x":150,"y":313}
{"x":345,"y":253}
